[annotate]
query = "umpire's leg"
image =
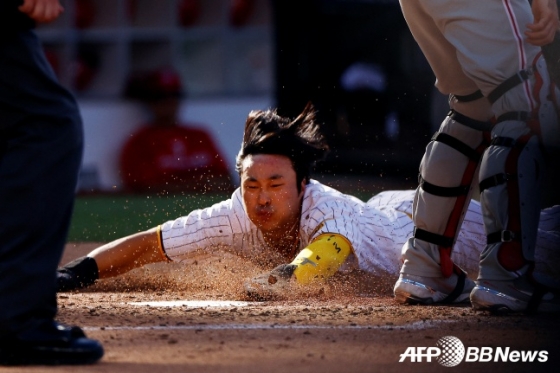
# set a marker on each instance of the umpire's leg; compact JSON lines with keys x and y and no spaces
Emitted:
{"x":41,"y":141}
{"x":39,"y":161}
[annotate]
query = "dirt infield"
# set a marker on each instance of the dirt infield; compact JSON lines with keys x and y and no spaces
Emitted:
{"x":349,"y":325}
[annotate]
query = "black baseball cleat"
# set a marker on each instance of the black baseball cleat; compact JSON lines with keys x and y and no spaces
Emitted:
{"x":50,"y":344}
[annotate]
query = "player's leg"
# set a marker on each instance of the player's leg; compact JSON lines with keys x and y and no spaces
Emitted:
{"x":511,"y":186}
{"x":487,"y":59}
{"x":112,"y":259}
{"x":509,"y":72}
{"x":511,"y":177}
{"x":447,"y":173}
{"x":512,"y":170}
{"x":472,"y":240}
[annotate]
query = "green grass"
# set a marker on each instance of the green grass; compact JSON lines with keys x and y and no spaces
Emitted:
{"x":103,"y":218}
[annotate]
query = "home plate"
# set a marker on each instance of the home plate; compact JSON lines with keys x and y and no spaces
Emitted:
{"x":195,"y":303}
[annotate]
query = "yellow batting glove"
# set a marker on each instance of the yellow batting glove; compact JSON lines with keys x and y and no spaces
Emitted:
{"x":321,"y":258}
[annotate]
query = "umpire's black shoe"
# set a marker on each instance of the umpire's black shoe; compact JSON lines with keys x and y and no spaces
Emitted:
{"x":50,"y":344}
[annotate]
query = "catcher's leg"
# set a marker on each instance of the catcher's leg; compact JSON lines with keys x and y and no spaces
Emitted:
{"x":511,"y":183}
{"x":447,"y":172}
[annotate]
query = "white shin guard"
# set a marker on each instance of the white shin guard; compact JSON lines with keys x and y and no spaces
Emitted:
{"x":447,"y":174}
{"x":511,"y":176}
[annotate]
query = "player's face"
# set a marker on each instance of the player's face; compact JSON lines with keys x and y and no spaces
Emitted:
{"x":270,"y":193}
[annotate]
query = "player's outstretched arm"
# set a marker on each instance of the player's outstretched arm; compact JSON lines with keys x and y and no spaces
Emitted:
{"x":318,"y":261}
{"x":112,"y":259}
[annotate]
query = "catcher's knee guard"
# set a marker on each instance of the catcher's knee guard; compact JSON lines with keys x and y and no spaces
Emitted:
{"x":543,"y":112}
{"x":447,"y":172}
{"x":511,"y":174}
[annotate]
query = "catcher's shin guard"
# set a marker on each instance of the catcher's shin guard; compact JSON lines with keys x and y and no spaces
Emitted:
{"x":510,"y":184}
{"x":447,"y":172}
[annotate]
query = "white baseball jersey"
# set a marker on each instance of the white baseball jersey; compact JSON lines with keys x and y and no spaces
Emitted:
{"x":377,"y":229}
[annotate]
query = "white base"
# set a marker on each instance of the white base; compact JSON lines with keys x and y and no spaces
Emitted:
{"x":195,"y":303}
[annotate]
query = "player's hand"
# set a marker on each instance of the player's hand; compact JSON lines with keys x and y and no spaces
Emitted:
{"x":546,"y":23}
{"x":42,"y":11}
{"x":271,"y":285}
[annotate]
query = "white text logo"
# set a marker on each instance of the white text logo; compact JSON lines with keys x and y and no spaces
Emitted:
{"x":450,"y":351}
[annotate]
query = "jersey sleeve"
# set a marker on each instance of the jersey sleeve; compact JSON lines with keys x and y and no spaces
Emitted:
{"x":219,"y":227}
{"x":325,"y":210}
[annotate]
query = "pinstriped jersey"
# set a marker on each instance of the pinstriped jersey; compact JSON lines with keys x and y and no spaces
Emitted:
{"x":377,"y":229}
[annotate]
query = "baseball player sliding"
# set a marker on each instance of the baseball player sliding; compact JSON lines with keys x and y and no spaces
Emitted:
{"x":309,"y":230}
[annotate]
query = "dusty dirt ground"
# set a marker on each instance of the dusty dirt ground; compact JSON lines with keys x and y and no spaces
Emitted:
{"x":350,"y":324}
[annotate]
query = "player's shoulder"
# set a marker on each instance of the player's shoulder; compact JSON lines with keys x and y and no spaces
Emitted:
{"x":395,"y":195}
{"x":318,"y":192}
{"x":314,"y":187}
{"x":234,"y":203}
{"x":400,"y":200}
{"x":231,"y":210}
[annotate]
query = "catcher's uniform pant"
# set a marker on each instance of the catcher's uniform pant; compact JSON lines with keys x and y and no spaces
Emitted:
{"x":40,"y":155}
{"x":473,"y":46}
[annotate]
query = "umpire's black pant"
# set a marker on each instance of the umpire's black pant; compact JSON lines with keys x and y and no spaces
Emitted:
{"x":41,"y":141}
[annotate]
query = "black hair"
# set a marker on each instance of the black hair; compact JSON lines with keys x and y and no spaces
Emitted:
{"x":300,"y":139}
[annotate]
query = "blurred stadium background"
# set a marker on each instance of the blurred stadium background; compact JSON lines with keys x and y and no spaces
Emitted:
{"x":354,"y":59}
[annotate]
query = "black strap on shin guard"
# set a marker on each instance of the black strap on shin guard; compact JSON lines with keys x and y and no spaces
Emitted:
{"x":470,"y":122}
{"x":436,"y":239}
{"x":458,"y":145}
{"x":444,"y":242}
{"x":459,"y":287}
{"x":443,"y":191}
{"x":510,"y":254}
{"x":502,"y":236}
{"x":539,"y":291}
